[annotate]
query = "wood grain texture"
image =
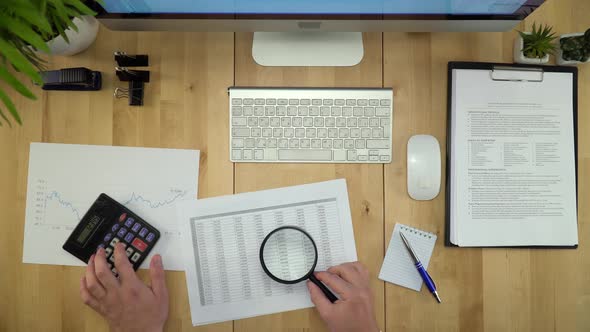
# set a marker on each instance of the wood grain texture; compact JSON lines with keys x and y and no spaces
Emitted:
{"x":186,"y":107}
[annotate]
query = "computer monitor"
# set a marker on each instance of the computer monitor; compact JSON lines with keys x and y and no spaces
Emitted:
{"x":313,"y":32}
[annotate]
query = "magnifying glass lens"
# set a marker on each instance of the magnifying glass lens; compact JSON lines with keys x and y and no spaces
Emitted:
{"x":289,"y":254}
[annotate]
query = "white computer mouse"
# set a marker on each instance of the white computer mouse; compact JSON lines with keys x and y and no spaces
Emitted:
{"x":423,"y":167}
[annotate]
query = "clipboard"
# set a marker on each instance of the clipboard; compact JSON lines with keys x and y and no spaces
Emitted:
{"x":505,"y":72}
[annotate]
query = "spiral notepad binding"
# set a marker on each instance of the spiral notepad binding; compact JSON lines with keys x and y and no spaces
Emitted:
{"x":416,"y":231}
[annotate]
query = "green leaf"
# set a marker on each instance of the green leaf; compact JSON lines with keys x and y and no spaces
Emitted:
{"x":10,"y":106}
{"x":25,"y":33}
{"x":19,"y":61}
{"x":5,"y":119}
{"x":15,"y":84}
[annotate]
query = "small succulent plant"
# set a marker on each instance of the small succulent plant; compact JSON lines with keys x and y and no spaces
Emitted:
{"x":539,"y":42}
{"x":576,"y":48}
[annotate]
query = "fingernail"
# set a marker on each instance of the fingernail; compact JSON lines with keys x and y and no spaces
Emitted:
{"x":100,"y":251}
{"x":158,"y":260}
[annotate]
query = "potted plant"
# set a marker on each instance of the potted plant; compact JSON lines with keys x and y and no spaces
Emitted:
{"x":534,"y":47}
{"x":574,"y":48}
{"x":26,"y":26}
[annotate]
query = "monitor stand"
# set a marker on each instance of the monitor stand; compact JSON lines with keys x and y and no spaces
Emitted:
{"x":305,"y":48}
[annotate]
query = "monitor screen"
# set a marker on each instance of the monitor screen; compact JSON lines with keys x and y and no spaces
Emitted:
{"x":323,"y":7}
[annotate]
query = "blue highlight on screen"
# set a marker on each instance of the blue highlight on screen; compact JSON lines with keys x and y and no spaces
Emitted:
{"x":448,"y":7}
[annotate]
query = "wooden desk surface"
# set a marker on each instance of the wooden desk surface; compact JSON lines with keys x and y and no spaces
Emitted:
{"x":186,"y":107}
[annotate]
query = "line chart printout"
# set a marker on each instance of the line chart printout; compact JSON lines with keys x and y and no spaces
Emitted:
{"x":221,"y":239}
{"x":65,"y":179}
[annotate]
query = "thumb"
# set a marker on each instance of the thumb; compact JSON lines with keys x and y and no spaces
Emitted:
{"x":319,"y":299}
{"x":158,"y":277}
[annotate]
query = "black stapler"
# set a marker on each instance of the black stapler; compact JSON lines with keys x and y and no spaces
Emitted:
{"x":74,"y":79}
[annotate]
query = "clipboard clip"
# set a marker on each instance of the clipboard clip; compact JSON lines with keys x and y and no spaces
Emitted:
{"x":517,"y":74}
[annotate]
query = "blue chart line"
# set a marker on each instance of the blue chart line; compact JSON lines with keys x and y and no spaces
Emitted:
{"x":56,"y":196}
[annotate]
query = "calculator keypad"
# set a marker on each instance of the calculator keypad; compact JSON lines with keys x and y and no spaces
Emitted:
{"x":132,"y":234}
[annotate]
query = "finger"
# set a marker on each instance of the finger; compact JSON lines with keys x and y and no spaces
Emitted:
{"x":92,"y":284}
{"x":335,"y":283}
{"x":123,"y":265}
{"x":158,"y":278}
{"x":348,"y":272}
{"x":318,"y":298}
{"x":103,"y":272}
{"x":86,"y":297}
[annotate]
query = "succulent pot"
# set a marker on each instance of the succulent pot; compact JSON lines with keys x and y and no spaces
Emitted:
{"x":519,"y":55}
{"x":560,"y":60}
{"x":79,"y":41}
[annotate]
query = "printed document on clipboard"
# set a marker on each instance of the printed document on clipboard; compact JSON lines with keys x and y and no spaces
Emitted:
{"x":221,"y":242}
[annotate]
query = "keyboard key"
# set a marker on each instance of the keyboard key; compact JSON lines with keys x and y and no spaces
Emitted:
{"x":349,"y":144}
{"x":377,"y":132}
{"x":366,"y":132}
{"x":239,"y":121}
{"x":267,"y":132}
{"x":259,"y":101}
{"x":236,"y":111}
{"x":281,"y":111}
{"x":240,"y":132}
{"x":378,"y":144}
{"x":332,"y":132}
{"x":374,"y":122}
{"x":352,"y":122}
{"x":363,"y":122}
{"x":108,"y":237}
{"x":328,"y":102}
{"x":282,"y":102}
{"x":139,"y":244}
{"x":384,"y":158}
{"x":336,"y":111}
{"x":374,"y":102}
{"x":358,"y":111}
{"x":303,"y":110}
{"x":292,"y":111}
{"x":300,"y":132}
{"x":260,"y":143}
{"x":269,"y":110}
{"x":343,"y":132}
{"x":136,"y":227}
{"x":259,"y":110}
{"x":318,"y":122}
{"x":277,"y":132}
{"x":283,"y":142}
{"x":271,"y":143}
{"x":330,"y":122}
{"x":306,"y":102}
{"x":314,"y":111}
{"x":297,"y":122}
{"x":325,"y":111}
{"x":122,"y":232}
{"x":337,"y":144}
{"x":316,"y":143}
{"x":275,"y":122}
{"x":315,"y":155}
{"x":339,"y":102}
{"x":293,"y":101}
{"x":373,"y":158}
{"x":247,"y":155}
{"x":249,"y":143}
{"x":346,"y":111}
{"x":350,"y":102}
{"x":359,"y":143}
{"x":256,"y":132}
{"x":248,"y":110}
{"x":307,"y":122}
{"x":373,"y":152}
{"x":293,"y":143}
{"x":248,"y":101}
{"x":386,"y":131}
{"x":316,"y":102}
{"x":235,"y":155}
{"x":340,"y":122}
{"x":385,"y":102}
{"x":129,"y":237}
{"x":362,"y":102}
{"x":351,"y":155}
{"x":263,"y":122}
{"x":355,"y":132}
{"x":143,"y":232}
{"x":370,"y":111}
{"x":382,"y":111}
{"x":340,"y":155}
{"x":271,"y":101}
{"x":258,"y":154}
{"x":327,"y":143}
{"x":310,"y":133}
{"x":129,"y":222}
{"x":135,"y":257}
{"x":236,"y":101}
{"x":115,"y":227}
{"x":286,"y":122}
{"x":305,"y":143}
{"x":289,"y":132}
{"x":362,"y":157}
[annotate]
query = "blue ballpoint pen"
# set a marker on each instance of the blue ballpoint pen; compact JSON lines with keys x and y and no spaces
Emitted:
{"x":423,"y":273}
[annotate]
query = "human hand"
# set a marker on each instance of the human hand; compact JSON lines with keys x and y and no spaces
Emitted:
{"x":353,"y":312}
{"x":126,"y":303}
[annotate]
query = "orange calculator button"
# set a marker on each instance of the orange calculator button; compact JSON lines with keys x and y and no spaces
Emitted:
{"x":139,"y":244}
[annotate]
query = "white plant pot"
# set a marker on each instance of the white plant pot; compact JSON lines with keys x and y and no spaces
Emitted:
{"x":560,"y":60}
{"x":79,"y":41}
{"x":519,"y":56}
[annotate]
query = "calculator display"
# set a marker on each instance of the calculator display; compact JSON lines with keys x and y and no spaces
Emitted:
{"x":88,"y":230}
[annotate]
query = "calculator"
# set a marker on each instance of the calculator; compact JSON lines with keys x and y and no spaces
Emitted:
{"x":107,"y":223}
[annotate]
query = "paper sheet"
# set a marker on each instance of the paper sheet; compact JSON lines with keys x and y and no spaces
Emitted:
{"x":221,"y":242}
{"x":398,"y":266}
{"x":64,"y":180}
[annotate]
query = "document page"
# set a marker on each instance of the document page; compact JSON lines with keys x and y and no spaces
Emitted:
{"x":221,"y":243}
{"x":513,"y":161}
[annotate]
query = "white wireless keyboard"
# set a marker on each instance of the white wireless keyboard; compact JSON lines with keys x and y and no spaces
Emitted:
{"x":310,"y":125}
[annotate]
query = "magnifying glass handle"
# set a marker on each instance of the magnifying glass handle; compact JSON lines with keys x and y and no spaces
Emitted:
{"x":324,"y":289}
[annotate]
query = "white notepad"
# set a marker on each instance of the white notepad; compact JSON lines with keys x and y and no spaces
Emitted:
{"x":398,"y":266}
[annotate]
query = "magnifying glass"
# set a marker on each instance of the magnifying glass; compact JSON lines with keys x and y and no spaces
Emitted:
{"x":289,"y":255}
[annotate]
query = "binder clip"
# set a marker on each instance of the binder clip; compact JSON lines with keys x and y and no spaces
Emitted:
{"x":134,"y":93}
{"x":126,"y":75}
{"x":125,"y":60}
